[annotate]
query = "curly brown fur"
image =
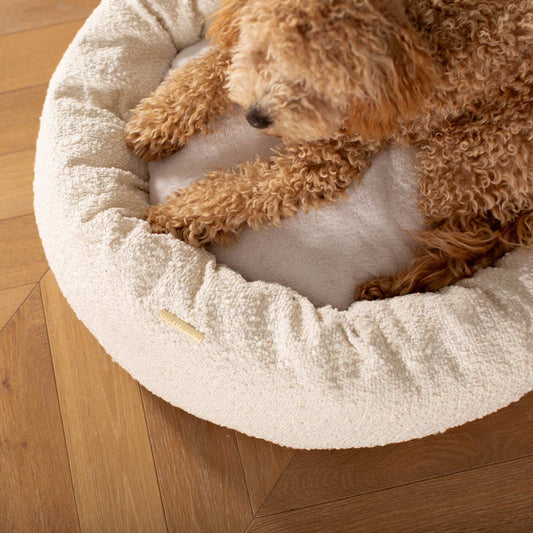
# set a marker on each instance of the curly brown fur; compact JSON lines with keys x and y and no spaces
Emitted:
{"x":180,"y":108}
{"x":257,"y":193}
{"x":339,"y":79}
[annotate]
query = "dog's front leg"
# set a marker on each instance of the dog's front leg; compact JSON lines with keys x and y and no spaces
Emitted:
{"x":180,"y":107}
{"x":262,"y":192}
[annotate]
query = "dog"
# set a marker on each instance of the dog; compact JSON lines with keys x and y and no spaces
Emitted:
{"x":338,"y":80}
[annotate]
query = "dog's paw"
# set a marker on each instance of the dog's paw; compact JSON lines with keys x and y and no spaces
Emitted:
{"x":151,"y":136}
{"x":194,"y":229}
{"x":376,"y":289}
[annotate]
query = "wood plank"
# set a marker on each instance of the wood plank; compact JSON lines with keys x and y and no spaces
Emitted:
{"x":19,"y":118}
{"x":29,"y":58}
{"x":22,"y":260}
{"x":495,"y":498}
{"x":319,"y":476}
{"x":10,"y":301}
{"x":36,"y":490}
{"x":16,"y":179}
{"x":30,"y":14}
{"x":200,"y":474}
{"x":107,"y":441}
{"x":263,"y":463}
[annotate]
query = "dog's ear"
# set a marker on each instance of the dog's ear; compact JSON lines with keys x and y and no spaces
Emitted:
{"x":395,"y":73}
{"x":224,"y":28}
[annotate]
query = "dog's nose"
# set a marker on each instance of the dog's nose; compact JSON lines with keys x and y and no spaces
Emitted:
{"x":258,"y":119}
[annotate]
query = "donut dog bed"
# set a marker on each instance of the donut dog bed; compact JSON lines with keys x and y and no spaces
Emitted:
{"x":256,"y":356}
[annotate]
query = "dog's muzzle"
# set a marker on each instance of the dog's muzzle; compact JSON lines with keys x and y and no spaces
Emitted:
{"x":257,"y":118}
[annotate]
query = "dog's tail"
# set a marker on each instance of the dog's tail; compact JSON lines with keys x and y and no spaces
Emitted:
{"x":447,"y":256}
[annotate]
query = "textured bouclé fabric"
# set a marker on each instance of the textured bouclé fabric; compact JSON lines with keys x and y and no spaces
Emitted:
{"x":271,"y":364}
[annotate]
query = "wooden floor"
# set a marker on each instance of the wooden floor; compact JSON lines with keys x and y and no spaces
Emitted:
{"x":84,"y":447}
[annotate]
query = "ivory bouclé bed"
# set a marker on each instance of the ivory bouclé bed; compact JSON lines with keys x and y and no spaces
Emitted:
{"x":256,"y":356}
